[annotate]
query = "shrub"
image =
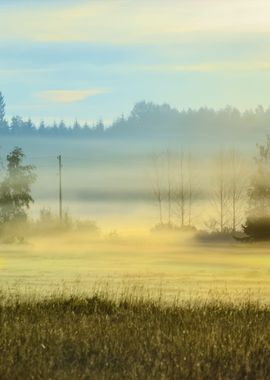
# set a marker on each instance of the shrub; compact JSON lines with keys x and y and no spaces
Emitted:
{"x":258,"y":228}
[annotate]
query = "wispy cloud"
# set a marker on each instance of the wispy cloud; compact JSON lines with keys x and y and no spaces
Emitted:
{"x":146,"y":49}
{"x":203,"y":67}
{"x":70,"y":96}
{"x":20,"y":72}
{"x":133,"y":22}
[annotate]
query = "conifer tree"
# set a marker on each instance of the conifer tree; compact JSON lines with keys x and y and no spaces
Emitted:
{"x":2,"y":109}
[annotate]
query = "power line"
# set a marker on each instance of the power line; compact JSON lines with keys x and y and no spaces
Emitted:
{"x":53,"y":157}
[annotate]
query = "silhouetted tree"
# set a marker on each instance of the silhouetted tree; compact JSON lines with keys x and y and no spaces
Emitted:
{"x":17,"y":125}
{"x":2,"y":109}
{"x":15,"y":189}
{"x":158,"y":121}
{"x":28,"y":127}
{"x":99,"y":129}
{"x":4,"y":128}
{"x":62,"y":128}
{"x":76,"y":128}
{"x":42,"y":128}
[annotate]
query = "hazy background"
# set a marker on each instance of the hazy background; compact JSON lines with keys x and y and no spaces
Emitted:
{"x":110,"y":173}
{"x":92,"y":60}
{"x":205,"y":67}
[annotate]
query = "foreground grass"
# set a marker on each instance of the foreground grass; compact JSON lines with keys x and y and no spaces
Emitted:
{"x":95,"y":338}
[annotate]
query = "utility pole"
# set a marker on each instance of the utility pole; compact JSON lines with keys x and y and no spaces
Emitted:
{"x":182,"y":191}
{"x":60,"y":186}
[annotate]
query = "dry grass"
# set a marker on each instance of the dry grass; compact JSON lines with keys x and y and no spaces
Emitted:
{"x":98,"y":338}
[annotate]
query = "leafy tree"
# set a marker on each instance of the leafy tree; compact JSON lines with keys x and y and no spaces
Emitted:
{"x":15,"y":189}
{"x":259,"y":191}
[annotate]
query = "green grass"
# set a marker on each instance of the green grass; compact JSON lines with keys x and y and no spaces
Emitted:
{"x":98,"y":338}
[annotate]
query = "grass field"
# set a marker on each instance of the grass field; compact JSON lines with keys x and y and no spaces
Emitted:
{"x":72,"y":307}
{"x":101,"y":338}
{"x":178,"y":269}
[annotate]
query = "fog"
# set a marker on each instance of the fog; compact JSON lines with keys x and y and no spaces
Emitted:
{"x":129,"y":188}
{"x":169,"y":266}
{"x":114,"y":182}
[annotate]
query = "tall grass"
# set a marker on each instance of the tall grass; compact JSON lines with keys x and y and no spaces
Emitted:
{"x":99,"y":338}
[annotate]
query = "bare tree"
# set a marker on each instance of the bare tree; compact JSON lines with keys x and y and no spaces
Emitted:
{"x":173,"y":187}
{"x":220,"y":194}
{"x":158,"y":187}
{"x":237,"y":188}
{"x":180,"y":193}
{"x":184,"y":193}
{"x":169,"y":187}
{"x":234,"y":191}
{"x":190,"y":189}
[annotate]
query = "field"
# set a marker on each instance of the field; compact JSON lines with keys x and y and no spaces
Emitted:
{"x":137,"y":307}
{"x":99,"y":338}
{"x":155,"y":265}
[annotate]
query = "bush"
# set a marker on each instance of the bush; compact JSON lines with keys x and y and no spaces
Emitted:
{"x":258,"y":228}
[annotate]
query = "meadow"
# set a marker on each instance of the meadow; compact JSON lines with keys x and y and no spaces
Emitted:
{"x":171,"y":265}
{"x":153,"y":306}
{"x":100,"y":338}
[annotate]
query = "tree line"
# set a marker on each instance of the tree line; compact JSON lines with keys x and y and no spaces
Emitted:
{"x":149,"y":120}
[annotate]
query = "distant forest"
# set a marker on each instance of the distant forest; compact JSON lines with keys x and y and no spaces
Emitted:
{"x":150,"y":120}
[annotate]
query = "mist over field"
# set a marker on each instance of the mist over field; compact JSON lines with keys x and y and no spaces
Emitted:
{"x":134,"y":189}
{"x":128,"y":185}
{"x":129,"y":191}
{"x":109,"y":174}
{"x":166,"y":268}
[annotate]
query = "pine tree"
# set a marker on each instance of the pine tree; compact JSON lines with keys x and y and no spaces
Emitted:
{"x":2,"y":109}
{"x":3,"y":123}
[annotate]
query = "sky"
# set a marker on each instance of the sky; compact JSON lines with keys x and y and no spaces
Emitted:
{"x":91,"y":60}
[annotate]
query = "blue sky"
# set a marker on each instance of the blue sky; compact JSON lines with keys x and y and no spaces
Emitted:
{"x":94,"y":59}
